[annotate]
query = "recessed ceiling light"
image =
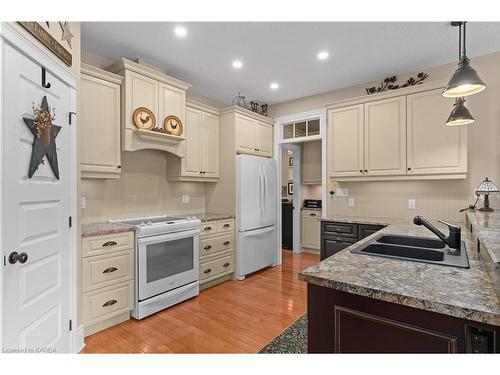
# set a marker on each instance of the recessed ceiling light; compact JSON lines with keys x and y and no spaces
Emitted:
{"x":274,"y":86}
{"x":237,"y":64}
{"x":323,"y":55}
{"x":180,"y":31}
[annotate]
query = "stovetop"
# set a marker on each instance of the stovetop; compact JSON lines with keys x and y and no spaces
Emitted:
{"x":156,"y":225}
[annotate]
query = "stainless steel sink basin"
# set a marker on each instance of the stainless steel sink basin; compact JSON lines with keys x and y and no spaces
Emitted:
{"x":417,"y":249}
{"x":412,"y":241}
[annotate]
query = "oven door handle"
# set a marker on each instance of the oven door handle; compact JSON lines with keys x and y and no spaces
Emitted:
{"x":168,"y":237}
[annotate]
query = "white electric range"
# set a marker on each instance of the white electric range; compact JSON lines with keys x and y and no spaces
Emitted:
{"x":166,"y":261}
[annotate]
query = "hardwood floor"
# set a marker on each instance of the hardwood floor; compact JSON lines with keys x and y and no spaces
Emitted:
{"x":232,"y":317}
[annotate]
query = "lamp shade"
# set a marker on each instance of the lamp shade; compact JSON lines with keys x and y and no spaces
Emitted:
{"x":459,"y":115}
{"x":464,"y":82}
{"x":487,"y":187}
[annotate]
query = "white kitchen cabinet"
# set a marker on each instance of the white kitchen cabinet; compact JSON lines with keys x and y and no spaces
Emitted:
{"x":100,"y":123}
{"x":311,"y":163}
{"x":346,"y":141}
{"x":433,"y":147}
{"x":311,"y":229}
{"x":160,"y":93}
{"x":385,"y":137}
{"x":253,"y":136}
{"x":201,"y":160}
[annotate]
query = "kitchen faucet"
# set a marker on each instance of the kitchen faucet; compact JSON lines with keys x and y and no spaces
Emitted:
{"x":453,"y":240}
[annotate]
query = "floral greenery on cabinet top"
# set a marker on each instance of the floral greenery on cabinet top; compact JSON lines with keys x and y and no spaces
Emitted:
{"x":388,"y":83}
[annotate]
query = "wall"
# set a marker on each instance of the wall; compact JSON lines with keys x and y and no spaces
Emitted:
{"x":438,"y":199}
{"x":142,"y":189}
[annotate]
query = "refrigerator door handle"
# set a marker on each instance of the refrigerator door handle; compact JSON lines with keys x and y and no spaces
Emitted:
{"x":265,"y":188}
{"x":258,"y":232}
{"x":260,"y":192}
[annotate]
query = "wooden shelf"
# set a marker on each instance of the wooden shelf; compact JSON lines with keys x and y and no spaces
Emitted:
{"x":152,"y":136}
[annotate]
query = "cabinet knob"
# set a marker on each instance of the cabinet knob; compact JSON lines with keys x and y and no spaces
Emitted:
{"x":366,"y":170}
{"x":208,"y":247}
{"x":225,"y":243}
{"x":225,"y":265}
{"x":312,"y":214}
{"x":360,"y":171}
{"x":409,"y":168}
{"x":118,"y":166}
{"x":207,"y":228}
{"x":208,"y":270}
{"x":226,"y":226}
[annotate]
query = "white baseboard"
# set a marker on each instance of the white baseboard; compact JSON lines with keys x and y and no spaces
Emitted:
{"x":78,"y":342}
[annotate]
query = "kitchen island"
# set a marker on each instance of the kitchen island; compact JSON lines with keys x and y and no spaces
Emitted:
{"x":370,"y":304}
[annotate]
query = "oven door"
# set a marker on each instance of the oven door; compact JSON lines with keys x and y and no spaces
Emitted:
{"x":166,"y":262}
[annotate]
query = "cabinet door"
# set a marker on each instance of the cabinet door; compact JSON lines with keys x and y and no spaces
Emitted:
{"x":385,"y":137}
{"x":191,"y":164}
{"x":172,"y":102}
{"x":140,"y":91}
{"x":347,"y":139}
{"x":246,"y":134}
{"x":100,"y":124}
{"x":311,"y":232}
{"x":209,"y":145}
{"x":264,"y":139}
{"x":311,"y":162}
{"x":331,"y":245}
{"x":433,"y":147}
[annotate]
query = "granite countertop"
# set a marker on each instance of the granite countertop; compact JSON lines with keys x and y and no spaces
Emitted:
{"x":210,"y":216}
{"x":486,"y":227}
{"x":99,"y":229}
{"x":463,"y":293}
{"x":364,"y":220}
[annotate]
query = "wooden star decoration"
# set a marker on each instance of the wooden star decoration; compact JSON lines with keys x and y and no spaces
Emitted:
{"x":44,"y":141}
{"x":66,"y":32}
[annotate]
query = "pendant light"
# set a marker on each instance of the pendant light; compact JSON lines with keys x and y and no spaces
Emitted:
{"x":460,"y":115}
{"x":465,"y":81}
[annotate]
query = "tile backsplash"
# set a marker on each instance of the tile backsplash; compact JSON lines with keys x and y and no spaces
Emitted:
{"x":141,"y":190}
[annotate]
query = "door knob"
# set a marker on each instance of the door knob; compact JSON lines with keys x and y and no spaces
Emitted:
{"x":13,"y":257}
{"x":23,"y":258}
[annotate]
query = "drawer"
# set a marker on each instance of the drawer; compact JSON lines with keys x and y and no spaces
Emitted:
{"x":107,"y":303}
{"x":208,"y":228}
{"x":216,"y":267}
{"x":331,"y":244}
{"x":226,"y":225}
{"x":343,"y":229}
{"x":104,"y":270}
{"x":365,"y":230}
{"x":108,"y":243}
{"x":212,"y":245}
{"x":311,"y":214}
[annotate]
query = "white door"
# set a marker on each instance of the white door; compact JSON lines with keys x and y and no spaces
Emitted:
{"x":192,"y":161}
{"x":35,"y":213}
{"x":210,"y":145}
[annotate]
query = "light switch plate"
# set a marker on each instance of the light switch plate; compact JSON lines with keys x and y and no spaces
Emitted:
{"x":83,"y":202}
{"x":350,"y":202}
{"x":411,"y":204}
{"x":186,"y":198}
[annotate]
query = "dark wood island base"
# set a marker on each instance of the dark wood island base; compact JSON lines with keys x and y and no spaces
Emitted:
{"x":341,"y":322}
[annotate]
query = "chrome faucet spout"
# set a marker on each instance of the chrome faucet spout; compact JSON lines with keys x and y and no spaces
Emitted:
{"x":453,"y":240}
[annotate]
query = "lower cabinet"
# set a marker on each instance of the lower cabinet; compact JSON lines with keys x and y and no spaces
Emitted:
{"x":336,"y":236}
{"x":107,"y":279}
{"x":311,"y":230}
{"x":216,"y":252}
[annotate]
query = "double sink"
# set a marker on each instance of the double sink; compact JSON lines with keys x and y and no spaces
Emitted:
{"x":418,"y":249}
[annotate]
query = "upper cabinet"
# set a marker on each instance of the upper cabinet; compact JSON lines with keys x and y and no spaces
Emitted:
{"x":162,"y":95}
{"x":253,"y":136}
{"x":396,"y":137}
{"x":434,"y":148}
{"x":99,"y":123}
{"x":311,"y":163}
{"x":201,"y":160}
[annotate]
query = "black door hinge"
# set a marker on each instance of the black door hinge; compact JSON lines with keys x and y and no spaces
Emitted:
{"x":4,"y":260}
{"x":70,"y":116}
{"x":70,"y":221}
{"x":70,"y":325}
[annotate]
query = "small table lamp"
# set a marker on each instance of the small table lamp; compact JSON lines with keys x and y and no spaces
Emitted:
{"x":486,"y":188}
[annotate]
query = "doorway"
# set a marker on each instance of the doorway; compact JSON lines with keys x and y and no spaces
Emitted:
{"x":295,"y":137}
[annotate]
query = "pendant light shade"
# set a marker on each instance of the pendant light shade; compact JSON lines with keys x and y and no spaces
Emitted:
{"x":460,"y":115}
{"x":465,"y":81}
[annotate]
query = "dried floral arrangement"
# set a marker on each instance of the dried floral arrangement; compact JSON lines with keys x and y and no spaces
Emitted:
{"x":389,"y":83}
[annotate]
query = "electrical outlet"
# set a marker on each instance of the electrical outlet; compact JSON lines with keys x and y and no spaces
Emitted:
{"x":186,"y":198}
{"x":350,"y":202}
{"x":411,"y":204}
{"x":83,"y":202}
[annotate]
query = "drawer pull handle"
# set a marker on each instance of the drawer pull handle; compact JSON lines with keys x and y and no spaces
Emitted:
{"x":225,"y":243}
{"x":208,"y":270}
{"x":110,"y":303}
{"x":208,"y":247}
{"x":109,"y":243}
{"x":225,"y":265}
{"x":110,"y":270}
{"x":207,"y":228}
{"x":226,"y":226}
{"x":312,"y":214}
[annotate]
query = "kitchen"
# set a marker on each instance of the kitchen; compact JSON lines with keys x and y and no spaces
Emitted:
{"x":181,"y":241}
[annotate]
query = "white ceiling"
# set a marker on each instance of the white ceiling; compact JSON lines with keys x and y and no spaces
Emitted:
{"x":286,"y":52}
